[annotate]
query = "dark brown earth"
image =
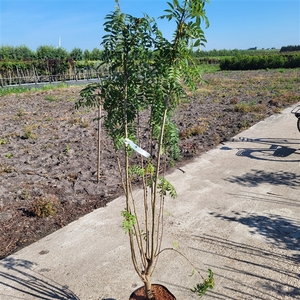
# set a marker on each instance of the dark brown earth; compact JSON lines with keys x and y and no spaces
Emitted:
{"x":48,"y":149}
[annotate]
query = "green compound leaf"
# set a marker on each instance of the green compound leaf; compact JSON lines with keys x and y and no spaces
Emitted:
{"x":165,"y":187}
{"x":208,"y":283}
{"x":128,"y":222}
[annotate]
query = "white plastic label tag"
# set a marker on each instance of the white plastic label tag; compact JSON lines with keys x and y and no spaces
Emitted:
{"x":136,"y":148}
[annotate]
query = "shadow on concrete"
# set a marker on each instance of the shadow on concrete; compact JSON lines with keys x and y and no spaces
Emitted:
{"x":257,"y":177}
{"x":22,"y":278}
{"x":268,"y":197}
{"x":242,"y":264}
{"x":279,"y":231}
{"x":277,"y":150}
{"x":268,"y":141}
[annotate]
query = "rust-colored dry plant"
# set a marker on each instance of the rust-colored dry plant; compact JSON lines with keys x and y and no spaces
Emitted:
{"x":45,"y":206}
{"x":193,"y":131}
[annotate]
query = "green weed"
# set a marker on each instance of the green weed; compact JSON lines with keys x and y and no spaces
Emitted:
{"x":244,"y":107}
{"x":18,"y":90}
{"x":67,"y":149}
{"x":51,"y":98}
{"x":28,"y":133}
{"x":4,"y":141}
{"x":20,"y":112}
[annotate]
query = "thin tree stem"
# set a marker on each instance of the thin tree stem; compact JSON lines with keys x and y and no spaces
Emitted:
{"x":99,"y":143}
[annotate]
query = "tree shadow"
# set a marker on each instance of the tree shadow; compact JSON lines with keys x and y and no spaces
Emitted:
{"x":258,"y":177}
{"x":268,"y":141}
{"x":241,"y":265}
{"x":277,"y":151}
{"x":22,"y":278}
{"x":279,"y":231}
{"x":268,"y":197}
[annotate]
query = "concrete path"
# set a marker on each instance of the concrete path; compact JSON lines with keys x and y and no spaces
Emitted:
{"x":237,"y":212}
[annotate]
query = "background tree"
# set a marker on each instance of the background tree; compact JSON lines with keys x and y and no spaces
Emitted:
{"x":45,"y":52}
{"x":96,"y":54}
{"x":76,"y":54}
{"x":86,"y":55}
{"x":7,"y":52}
{"x":51,"y":52}
{"x":24,"y":53}
{"x":60,"y":53}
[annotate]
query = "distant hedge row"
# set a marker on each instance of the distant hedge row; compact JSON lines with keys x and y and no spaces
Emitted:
{"x":290,"y":48}
{"x":256,"y":62}
{"x":21,"y":53}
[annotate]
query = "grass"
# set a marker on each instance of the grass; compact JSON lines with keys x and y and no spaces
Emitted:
{"x":51,"y":98}
{"x":244,"y":107}
{"x":208,"y":69}
{"x":282,"y":87}
{"x":20,"y":112}
{"x":5,"y":169}
{"x":19,"y":89}
{"x":67,"y":149}
{"x":195,"y":130}
{"x":28,"y":132}
{"x":4,"y":141}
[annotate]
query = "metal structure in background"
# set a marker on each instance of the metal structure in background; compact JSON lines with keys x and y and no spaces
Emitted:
{"x":40,"y":80}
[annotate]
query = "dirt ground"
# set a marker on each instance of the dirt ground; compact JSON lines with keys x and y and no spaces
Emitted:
{"x":48,"y":149}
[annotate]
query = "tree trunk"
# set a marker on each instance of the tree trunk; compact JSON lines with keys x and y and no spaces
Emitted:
{"x":148,"y":288}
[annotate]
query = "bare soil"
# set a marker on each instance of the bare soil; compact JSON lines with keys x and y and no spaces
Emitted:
{"x":48,"y":149}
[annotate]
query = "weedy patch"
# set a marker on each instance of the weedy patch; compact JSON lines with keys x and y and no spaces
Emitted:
{"x":288,"y":98}
{"x":46,"y":146}
{"x":28,"y":133}
{"x":6,"y":169}
{"x":245,"y":107}
{"x":193,"y":131}
{"x":48,"y":119}
{"x":45,"y":206}
{"x":24,"y":195}
{"x":74,"y":121}
{"x":84,"y":124}
{"x":244,"y":125}
{"x":21,"y":112}
{"x":51,"y":98}
{"x":4,"y":141}
{"x":67,"y":149}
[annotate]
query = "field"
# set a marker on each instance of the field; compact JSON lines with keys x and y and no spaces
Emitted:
{"x":48,"y":149}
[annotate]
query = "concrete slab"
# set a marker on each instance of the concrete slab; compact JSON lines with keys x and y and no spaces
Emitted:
{"x":237,"y":212}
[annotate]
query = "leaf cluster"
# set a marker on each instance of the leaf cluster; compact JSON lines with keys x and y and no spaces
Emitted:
{"x":201,"y":288}
{"x":128,"y":221}
{"x":188,"y":17}
{"x":165,"y":187}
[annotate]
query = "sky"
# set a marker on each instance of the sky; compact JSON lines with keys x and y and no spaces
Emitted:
{"x":234,"y":24}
